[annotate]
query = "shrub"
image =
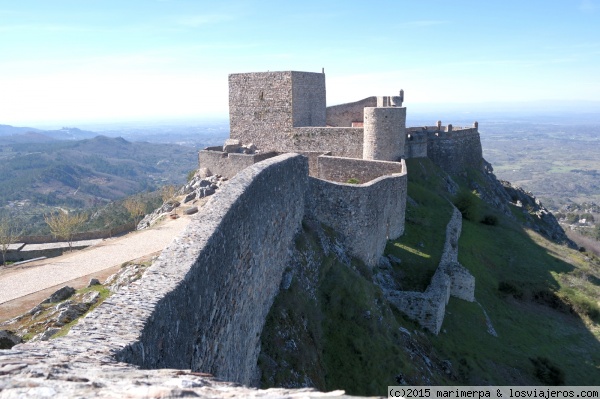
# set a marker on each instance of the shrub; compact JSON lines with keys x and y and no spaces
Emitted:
{"x":547,"y":372}
{"x":466,"y":203}
{"x":509,"y":288}
{"x":352,"y":180}
{"x":491,"y":220}
{"x":191,"y":175}
{"x":582,"y":304}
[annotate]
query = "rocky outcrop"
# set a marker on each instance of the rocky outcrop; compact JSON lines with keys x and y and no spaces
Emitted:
{"x":537,"y":217}
{"x":201,"y":186}
{"x":492,"y":191}
{"x":64,"y":306}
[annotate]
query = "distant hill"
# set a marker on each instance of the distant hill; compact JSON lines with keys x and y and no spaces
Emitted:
{"x":7,"y":130}
{"x":86,"y":173}
{"x":12,"y":134}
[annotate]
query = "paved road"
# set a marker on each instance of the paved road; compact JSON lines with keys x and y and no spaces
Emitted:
{"x":112,"y":252}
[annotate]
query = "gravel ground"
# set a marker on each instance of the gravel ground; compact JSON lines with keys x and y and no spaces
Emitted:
{"x":109,"y":253}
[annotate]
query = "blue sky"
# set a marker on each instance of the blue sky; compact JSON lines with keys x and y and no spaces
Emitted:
{"x":68,"y":62}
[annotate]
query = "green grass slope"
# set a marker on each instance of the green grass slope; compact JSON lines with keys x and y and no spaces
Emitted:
{"x":331,"y":327}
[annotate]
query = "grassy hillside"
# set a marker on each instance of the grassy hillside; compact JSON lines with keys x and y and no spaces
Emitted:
{"x":332,"y":328}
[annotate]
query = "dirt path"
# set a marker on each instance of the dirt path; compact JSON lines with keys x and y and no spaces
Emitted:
{"x":98,"y":261}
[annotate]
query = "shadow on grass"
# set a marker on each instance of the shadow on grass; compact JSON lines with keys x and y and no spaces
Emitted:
{"x":521,"y":286}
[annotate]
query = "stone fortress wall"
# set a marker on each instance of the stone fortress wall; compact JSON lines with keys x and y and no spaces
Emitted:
{"x":450,"y":279}
{"x":208,"y":294}
{"x":454,"y":149}
{"x":365,"y":215}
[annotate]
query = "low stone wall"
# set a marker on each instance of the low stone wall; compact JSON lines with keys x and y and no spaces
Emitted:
{"x":88,"y":235}
{"x":228,"y":164}
{"x":340,"y":169}
{"x":313,"y":156}
{"x":343,"y":115}
{"x":49,"y":250}
{"x":428,"y":307}
{"x":366,"y":215}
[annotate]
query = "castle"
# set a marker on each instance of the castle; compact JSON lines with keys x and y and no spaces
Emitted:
{"x":203,"y":303}
{"x":355,"y":151}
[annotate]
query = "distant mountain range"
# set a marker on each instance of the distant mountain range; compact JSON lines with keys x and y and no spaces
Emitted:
{"x":12,"y":134}
{"x":57,"y":168}
{"x":198,"y":135}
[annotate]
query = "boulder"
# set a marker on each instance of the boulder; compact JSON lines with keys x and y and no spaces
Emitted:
{"x":46,"y":335}
{"x":91,"y":298}
{"x":93,"y":282}
{"x":191,"y":211}
{"x":8,"y":339}
{"x":69,"y":311}
{"x":204,"y":173}
{"x":189,"y":197}
{"x":206,"y":191}
{"x":60,"y":295}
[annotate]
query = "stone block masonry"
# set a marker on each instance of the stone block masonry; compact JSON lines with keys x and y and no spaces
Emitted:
{"x":343,"y":115}
{"x":265,"y":106}
{"x":453,"y":149}
{"x":456,"y":151}
{"x":341,"y":170}
{"x":384,"y":133}
{"x":208,"y":294}
{"x":229,"y":164}
{"x":340,"y":141}
{"x":366,"y":215}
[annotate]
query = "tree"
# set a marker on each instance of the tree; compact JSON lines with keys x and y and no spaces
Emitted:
{"x":167,"y":192}
{"x":136,"y":208}
{"x":64,"y":225}
{"x":8,"y":235}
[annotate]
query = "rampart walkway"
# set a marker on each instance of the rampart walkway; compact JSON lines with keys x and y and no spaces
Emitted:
{"x":109,"y":253}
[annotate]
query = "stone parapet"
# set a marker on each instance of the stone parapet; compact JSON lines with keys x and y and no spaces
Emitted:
{"x":229,"y":164}
{"x":340,"y":141}
{"x":366,"y":215}
{"x":457,"y":151}
{"x":206,"y":298}
{"x":341,"y":170}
